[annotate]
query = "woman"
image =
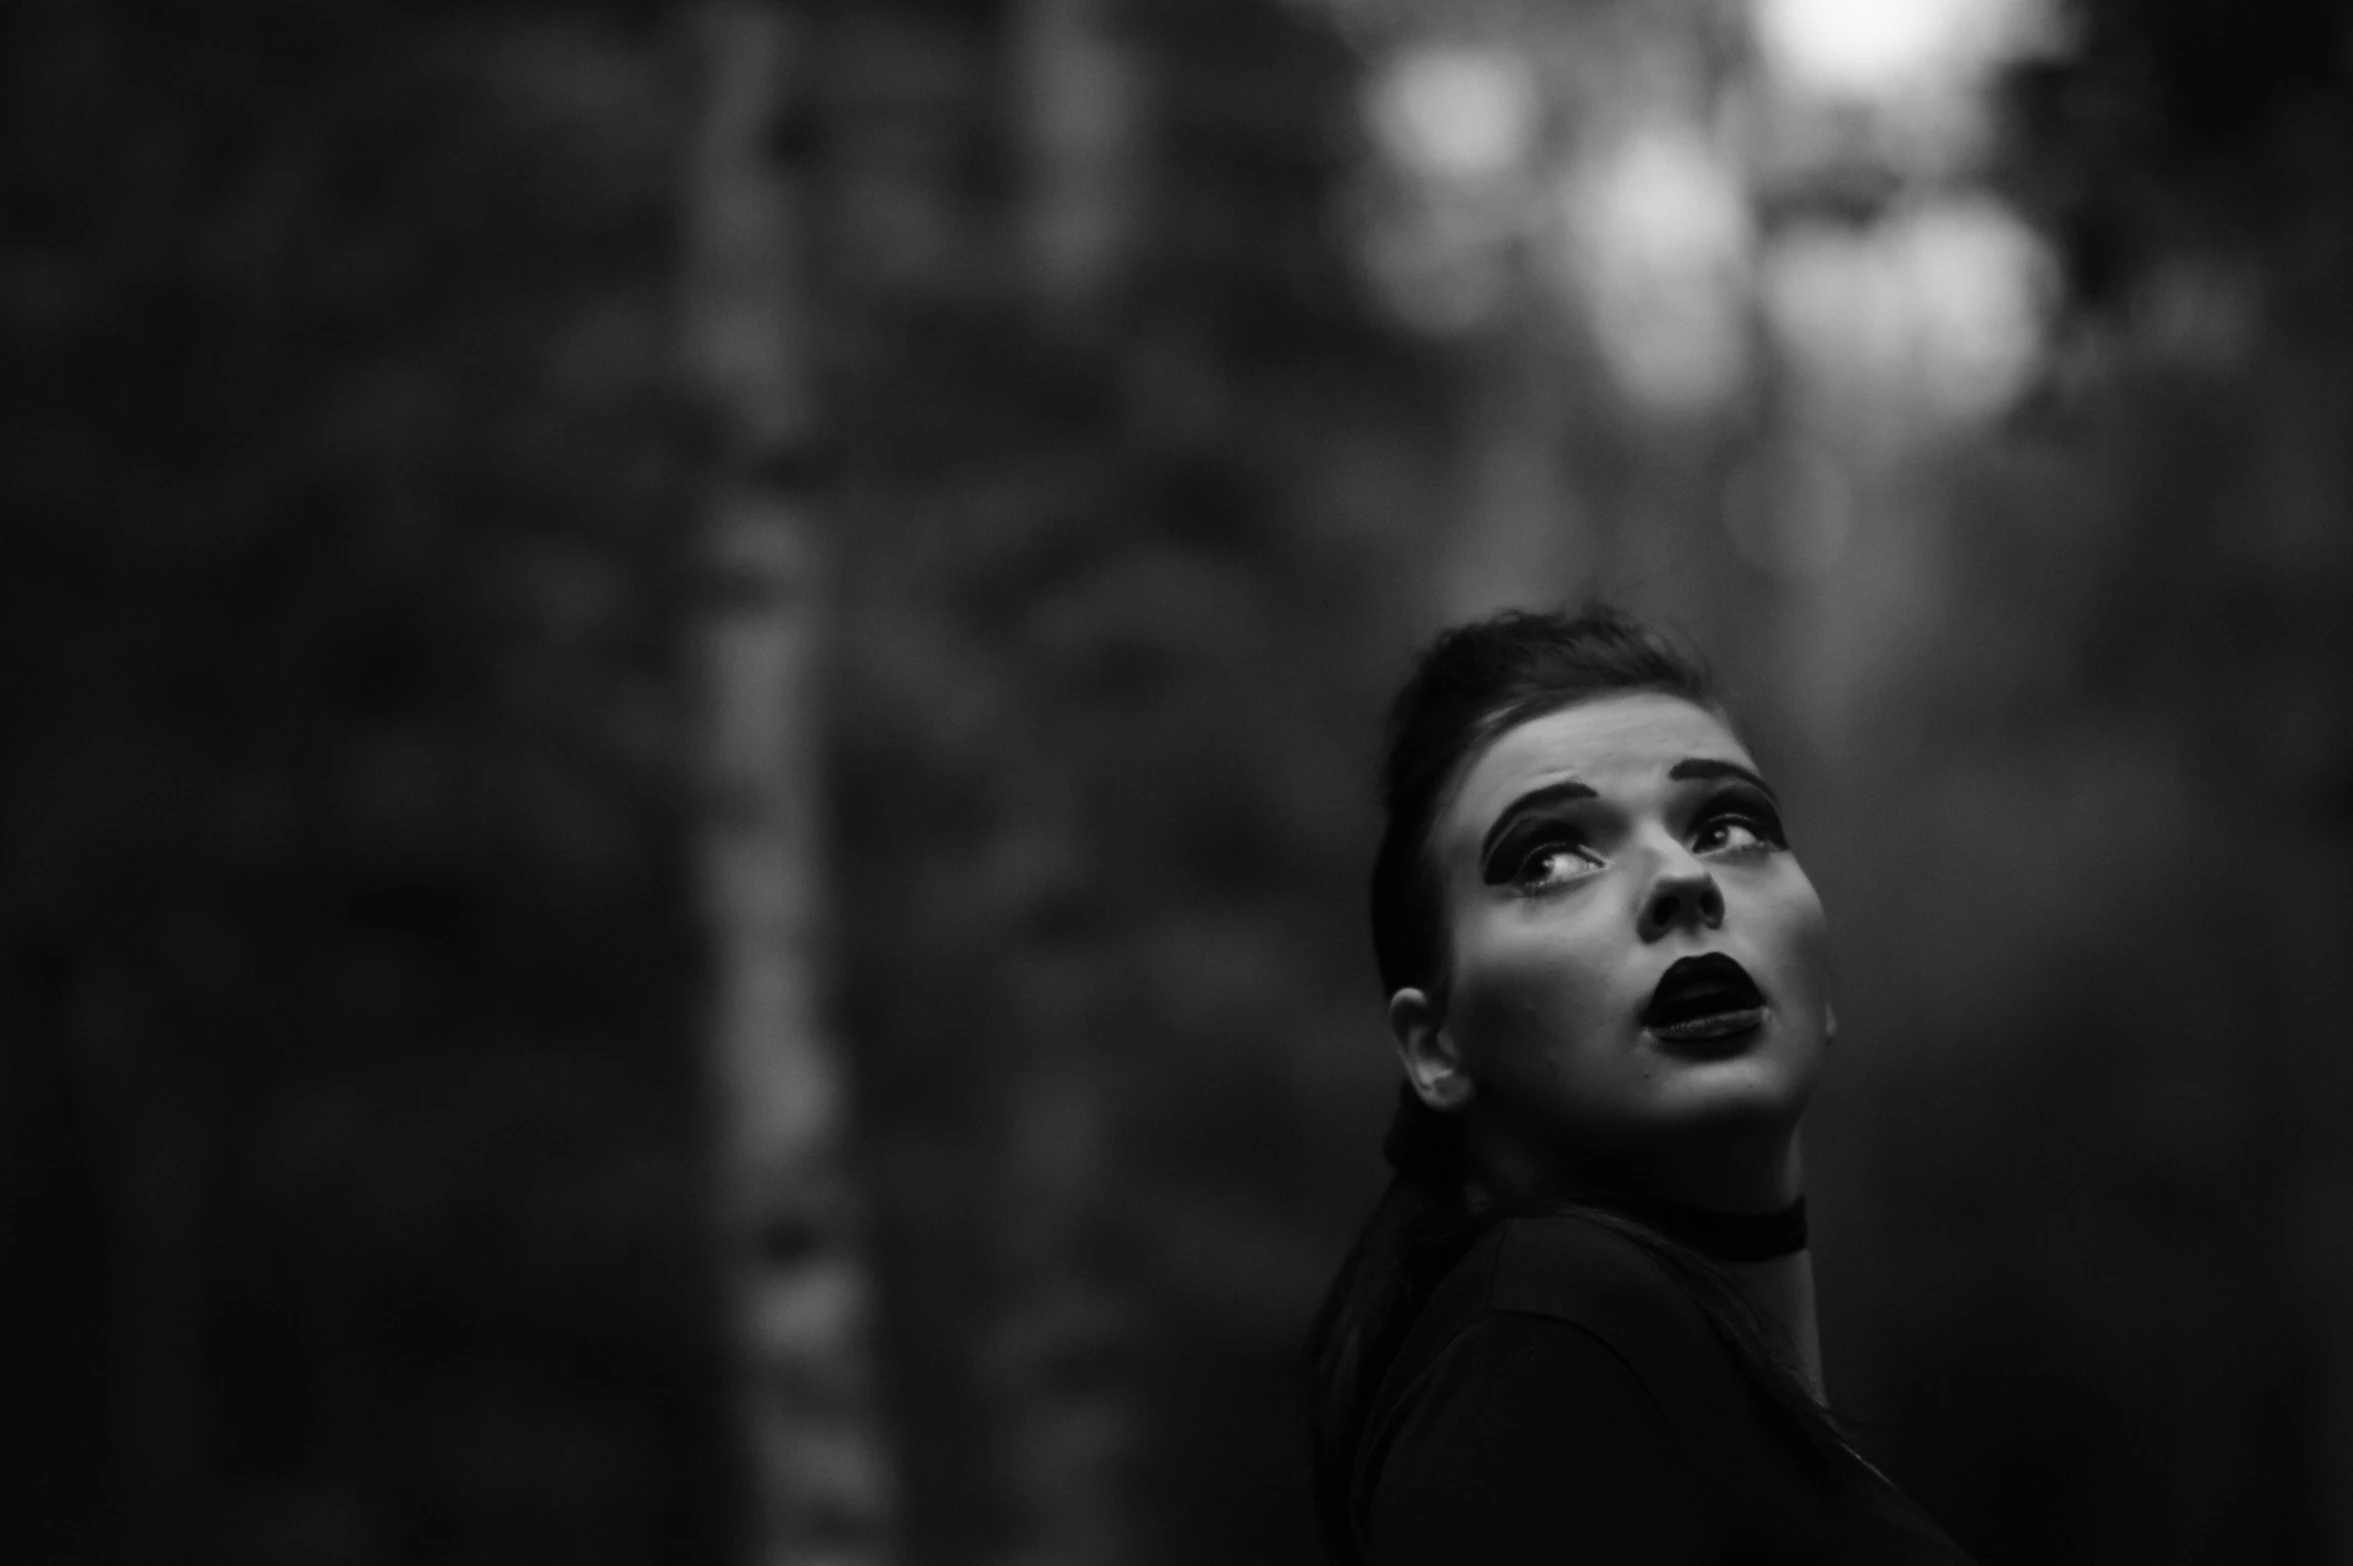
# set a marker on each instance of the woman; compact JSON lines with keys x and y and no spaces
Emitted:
{"x":1579,"y":1327}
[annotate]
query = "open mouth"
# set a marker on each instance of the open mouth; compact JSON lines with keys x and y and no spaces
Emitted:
{"x":1704,"y":998}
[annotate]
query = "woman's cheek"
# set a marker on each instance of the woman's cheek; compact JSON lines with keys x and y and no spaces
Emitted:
{"x":1798,"y":934}
{"x":1516,"y":1003}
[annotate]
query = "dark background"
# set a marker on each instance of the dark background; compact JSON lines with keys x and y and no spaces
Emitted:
{"x":1181,"y":365}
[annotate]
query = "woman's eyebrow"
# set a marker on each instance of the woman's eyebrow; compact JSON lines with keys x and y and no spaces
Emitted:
{"x":1534,"y":799}
{"x":1704,"y":767}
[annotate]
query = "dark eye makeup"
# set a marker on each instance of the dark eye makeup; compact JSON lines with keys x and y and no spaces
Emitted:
{"x":1516,"y":858}
{"x":1741,"y":807}
{"x":1519,"y":854}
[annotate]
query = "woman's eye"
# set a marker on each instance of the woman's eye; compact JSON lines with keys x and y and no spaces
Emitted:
{"x":1552,"y":865}
{"x":1734,"y":831}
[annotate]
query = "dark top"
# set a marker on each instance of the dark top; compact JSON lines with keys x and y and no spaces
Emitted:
{"x":1561,"y":1400}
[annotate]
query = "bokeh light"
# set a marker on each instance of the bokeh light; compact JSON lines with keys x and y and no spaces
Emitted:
{"x":1940,"y":308}
{"x":1888,"y":48}
{"x":1456,"y":111}
{"x":1656,"y":232}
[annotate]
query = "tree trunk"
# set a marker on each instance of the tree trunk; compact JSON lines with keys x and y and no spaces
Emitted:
{"x":1075,"y":101}
{"x":790,"y":1230}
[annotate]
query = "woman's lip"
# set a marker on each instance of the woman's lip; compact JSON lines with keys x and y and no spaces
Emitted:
{"x":1700,"y":987}
{"x":1716,"y":1028}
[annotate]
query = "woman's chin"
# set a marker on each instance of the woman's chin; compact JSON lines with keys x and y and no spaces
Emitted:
{"x":1755,"y":1082}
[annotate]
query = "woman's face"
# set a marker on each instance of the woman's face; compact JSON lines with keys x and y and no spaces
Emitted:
{"x":1636,"y":957}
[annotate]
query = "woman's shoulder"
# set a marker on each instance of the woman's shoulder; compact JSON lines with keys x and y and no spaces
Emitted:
{"x":1558,"y":1334}
{"x":1577,"y":1268}
{"x":1557,"y":1341}
{"x":1569,"y":1268}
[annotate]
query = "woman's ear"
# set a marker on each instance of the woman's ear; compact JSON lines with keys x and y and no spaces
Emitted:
{"x":1433,"y":1065}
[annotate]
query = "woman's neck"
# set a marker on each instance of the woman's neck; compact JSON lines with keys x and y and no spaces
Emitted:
{"x":1747,"y":1169}
{"x":1764,"y":1178}
{"x":1752,"y":1177}
{"x":1783,"y":1288}
{"x":1759,"y":1172}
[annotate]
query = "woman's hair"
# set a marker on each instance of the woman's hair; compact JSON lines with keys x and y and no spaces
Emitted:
{"x":1473,"y":683}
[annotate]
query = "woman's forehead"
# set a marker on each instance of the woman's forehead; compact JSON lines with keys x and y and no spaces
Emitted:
{"x":1611,"y":744}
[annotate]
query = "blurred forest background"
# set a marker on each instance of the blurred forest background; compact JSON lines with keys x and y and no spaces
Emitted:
{"x":692,"y":692}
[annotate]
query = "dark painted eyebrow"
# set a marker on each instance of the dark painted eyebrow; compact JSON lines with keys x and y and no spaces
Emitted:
{"x":1703,"y":767}
{"x":1534,"y":799}
{"x":1689,"y":769}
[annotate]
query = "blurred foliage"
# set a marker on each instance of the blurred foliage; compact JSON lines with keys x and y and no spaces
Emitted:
{"x":350,"y":1148}
{"x":2111,"y":1172}
{"x":1126,"y":573}
{"x":2182,"y":123}
{"x":350,"y":1096}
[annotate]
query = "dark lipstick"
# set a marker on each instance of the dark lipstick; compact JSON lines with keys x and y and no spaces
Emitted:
{"x":1704,"y":999}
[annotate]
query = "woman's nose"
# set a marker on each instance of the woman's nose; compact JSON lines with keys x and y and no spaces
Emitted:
{"x":1684,"y":896}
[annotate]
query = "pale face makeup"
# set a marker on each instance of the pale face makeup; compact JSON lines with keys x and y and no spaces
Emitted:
{"x":1636,"y":984}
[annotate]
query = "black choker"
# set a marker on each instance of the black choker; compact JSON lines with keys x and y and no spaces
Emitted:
{"x":1723,"y":1236}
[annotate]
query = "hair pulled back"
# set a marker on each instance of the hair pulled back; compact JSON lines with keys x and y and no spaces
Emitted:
{"x":1474,"y":682}
{"x":1470,"y":685}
